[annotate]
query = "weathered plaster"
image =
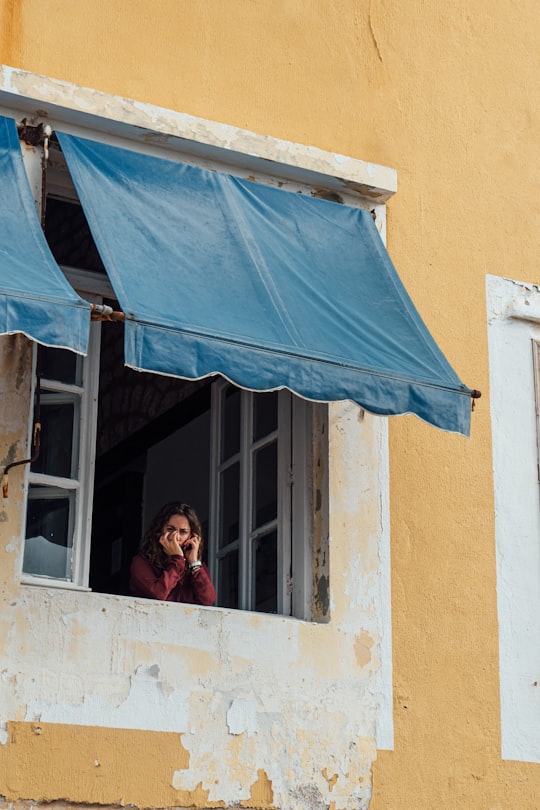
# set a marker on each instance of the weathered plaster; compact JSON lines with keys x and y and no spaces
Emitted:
{"x":261,"y":708}
{"x":449,"y":93}
{"x":86,"y":676}
{"x":116,"y":664}
{"x":15,"y":388}
{"x":42,"y":97}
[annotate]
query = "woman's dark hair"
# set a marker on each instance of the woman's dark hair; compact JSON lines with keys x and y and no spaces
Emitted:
{"x":150,"y":547}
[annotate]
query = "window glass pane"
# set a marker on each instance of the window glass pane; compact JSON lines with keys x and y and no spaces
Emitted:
{"x":56,"y":450}
{"x":265,"y":414}
{"x":47,"y":548}
{"x":265,"y":579}
{"x":229,"y":505}
{"x":60,"y":365}
{"x":265,"y":485}
{"x":230,"y":423}
{"x":228,"y":580}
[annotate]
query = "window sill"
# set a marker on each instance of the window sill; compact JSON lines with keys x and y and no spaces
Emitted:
{"x":49,"y":582}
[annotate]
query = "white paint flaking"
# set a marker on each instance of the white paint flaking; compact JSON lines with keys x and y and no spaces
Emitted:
{"x":361,"y":497}
{"x":241,"y":717}
{"x":150,"y":705}
{"x":301,"y":701}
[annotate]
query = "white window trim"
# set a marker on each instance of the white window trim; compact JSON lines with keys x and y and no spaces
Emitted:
{"x":244,"y":458}
{"x":83,"y":483}
{"x":293,"y":522}
{"x":536,"y":363}
{"x":513,"y":328}
{"x":85,"y":431}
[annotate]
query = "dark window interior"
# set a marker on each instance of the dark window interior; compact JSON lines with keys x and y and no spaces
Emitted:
{"x":152,"y":447}
{"x":138,"y":463}
{"x":152,"y":432}
{"x":69,"y":237}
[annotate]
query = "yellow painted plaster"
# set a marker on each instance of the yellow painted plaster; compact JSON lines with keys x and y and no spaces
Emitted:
{"x":330,"y":779}
{"x":241,"y":749}
{"x":82,"y":764}
{"x":47,"y":761}
{"x":362,"y":649}
{"x":261,"y":793}
{"x":11,"y":29}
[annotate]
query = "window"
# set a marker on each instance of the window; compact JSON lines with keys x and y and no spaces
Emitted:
{"x":514,"y":339}
{"x":253,"y":474}
{"x":351,"y":451}
{"x":116,"y":444}
{"x":59,"y":476}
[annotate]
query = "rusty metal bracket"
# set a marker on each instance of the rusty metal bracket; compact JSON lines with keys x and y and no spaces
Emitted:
{"x":475,"y":394}
{"x":32,"y":134}
{"x":102,"y":312}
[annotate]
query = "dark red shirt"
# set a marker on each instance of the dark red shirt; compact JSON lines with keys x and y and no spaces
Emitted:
{"x":176,"y":584}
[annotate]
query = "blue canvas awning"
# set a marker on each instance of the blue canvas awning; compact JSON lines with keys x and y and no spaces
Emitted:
{"x":35,"y":298}
{"x":269,"y":288}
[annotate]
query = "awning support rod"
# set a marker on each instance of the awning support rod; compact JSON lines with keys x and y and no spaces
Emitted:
{"x":102,"y":312}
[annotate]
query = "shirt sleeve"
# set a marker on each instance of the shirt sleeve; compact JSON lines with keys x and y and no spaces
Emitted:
{"x":204,"y":592}
{"x":145,"y":582}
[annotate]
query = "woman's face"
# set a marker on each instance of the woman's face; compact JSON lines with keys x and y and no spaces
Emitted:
{"x":178,"y":526}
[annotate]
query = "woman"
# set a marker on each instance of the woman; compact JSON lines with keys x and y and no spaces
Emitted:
{"x":168,"y":565}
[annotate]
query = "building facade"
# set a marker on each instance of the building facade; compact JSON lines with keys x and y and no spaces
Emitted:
{"x":378,"y":644}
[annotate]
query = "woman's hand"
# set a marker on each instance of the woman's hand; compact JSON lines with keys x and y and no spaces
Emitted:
{"x":191,"y":548}
{"x":170,"y":542}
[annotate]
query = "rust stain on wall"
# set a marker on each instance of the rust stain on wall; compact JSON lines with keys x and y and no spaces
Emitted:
{"x":321,"y":590}
{"x":22,"y":353}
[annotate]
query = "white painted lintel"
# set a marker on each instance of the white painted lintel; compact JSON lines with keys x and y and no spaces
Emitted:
{"x":523,"y":311}
{"x":59,"y":102}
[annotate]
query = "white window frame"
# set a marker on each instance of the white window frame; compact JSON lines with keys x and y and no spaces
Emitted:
{"x":513,"y":337}
{"x":536,"y":365}
{"x":294,"y":498}
{"x":93,"y":289}
{"x":84,"y":449}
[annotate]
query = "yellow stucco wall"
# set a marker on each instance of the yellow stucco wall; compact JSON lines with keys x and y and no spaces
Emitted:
{"x":448,"y":94}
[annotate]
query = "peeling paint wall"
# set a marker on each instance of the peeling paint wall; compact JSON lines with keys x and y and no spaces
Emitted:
{"x":109,"y":699}
{"x":15,"y":391}
{"x":448,"y":95}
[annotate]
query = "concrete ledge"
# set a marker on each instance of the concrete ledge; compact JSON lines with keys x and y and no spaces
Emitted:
{"x":62,"y":103}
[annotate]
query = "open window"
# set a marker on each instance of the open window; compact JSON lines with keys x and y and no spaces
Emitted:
{"x":217,"y":274}
{"x":259,"y":480}
{"x":118,"y":443}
